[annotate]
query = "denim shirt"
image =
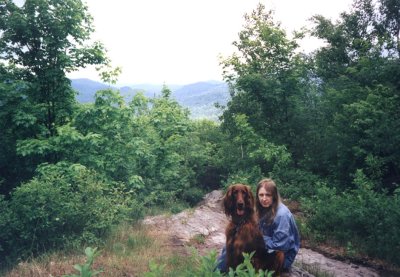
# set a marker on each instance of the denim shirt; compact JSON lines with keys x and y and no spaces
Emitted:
{"x":282,"y":234}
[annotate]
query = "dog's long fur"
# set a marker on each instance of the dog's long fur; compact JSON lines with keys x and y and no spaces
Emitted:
{"x":243,"y":234}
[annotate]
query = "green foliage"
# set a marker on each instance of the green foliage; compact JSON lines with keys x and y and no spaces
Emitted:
{"x":6,"y":217}
{"x":358,"y":93}
{"x":85,"y":270}
{"x":108,"y":74}
{"x":297,"y":183}
{"x":155,"y":270}
{"x":46,"y":38}
{"x":359,"y":219}
{"x":65,"y":204}
{"x":40,"y":42}
{"x":246,"y":269}
{"x":334,"y":110}
{"x":249,"y":156}
{"x":269,"y":83}
{"x":17,"y":122}
{"x":147,"y":145}
{"x":249,"y":176}
{"x":207,"y":157}
{"x":205,"y":266}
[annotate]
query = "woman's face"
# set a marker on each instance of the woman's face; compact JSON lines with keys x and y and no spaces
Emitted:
{"x":265,"y":197}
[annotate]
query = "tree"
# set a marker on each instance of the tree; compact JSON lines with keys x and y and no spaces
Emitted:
{"x":269,"y":82}
{"x":39,"y":43}
{"x":46,"y":38}
{"x":359,"y":70}
{"x":16,"y":123}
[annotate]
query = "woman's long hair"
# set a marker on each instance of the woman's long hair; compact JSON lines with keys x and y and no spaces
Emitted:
{"x":267,"y":213}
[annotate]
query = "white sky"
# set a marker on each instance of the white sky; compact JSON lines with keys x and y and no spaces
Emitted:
{"x":179,"y":41}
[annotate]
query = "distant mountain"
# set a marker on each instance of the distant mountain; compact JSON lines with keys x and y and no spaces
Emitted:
{"x":199,"y":98}
{"x":86,"y":89}
{"x":202,"y":93}
{"x":153,"y":90}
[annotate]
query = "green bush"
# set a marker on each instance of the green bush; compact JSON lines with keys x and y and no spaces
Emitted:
{"x":151,"y":145}
{"x":296,"y":183}
{"x":6,"y":234}
{"x":250,"y":177}
{"x":367,"y":220}
{"x":192,"y":195}
{"x":65,"y":204}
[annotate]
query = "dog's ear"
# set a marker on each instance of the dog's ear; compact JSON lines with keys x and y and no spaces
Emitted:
{"x":228,"y":201}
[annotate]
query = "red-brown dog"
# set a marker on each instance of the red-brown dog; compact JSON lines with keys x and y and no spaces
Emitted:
{"x":243,"y":234}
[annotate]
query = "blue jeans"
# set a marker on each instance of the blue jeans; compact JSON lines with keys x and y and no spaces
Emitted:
{"x":221,"y":265}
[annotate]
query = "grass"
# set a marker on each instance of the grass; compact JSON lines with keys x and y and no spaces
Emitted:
{"x":126,"y":252}
{"x":197,"y":239}
{"x":54,"y":264}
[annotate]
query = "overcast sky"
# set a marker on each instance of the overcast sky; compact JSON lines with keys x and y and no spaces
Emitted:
{"x":179,"y":41}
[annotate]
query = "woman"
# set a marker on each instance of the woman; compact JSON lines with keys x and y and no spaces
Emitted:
{"x":276,"y":222}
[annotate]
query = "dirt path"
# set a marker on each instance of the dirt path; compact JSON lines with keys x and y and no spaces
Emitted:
{"x":203,"y":227}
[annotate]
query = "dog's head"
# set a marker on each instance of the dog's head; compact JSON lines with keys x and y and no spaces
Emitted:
{"x":239,"y":201}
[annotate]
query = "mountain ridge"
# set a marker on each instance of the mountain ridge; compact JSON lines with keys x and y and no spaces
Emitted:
{"x":199,"y":97}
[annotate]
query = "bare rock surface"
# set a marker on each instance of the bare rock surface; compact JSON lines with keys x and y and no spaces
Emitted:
{"x":204,"y":228}
{"x":309,"y":258}
{"x":205,"y":223}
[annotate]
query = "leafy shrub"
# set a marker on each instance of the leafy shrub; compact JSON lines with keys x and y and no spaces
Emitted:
{"x":296,"y":183}
{"x":151,"y":145}
{"x":251,"y":177}
{"x":65,"y":204}
{"x":6,"y":217}
{"x":192,"y":195}
{"x":363,"y":218}
{"x":248,"y":156}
